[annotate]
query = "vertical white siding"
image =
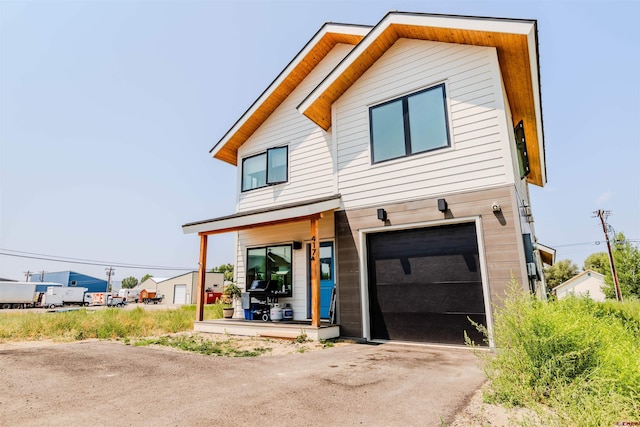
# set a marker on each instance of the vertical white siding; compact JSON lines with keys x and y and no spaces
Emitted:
{"x":310,"y":148}
{"x":476,"y":158}
{"x":285,"y":234}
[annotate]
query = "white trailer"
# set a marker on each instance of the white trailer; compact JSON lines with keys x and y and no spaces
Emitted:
{"x":64,"y":295}
{"x":17,"y":294}
{"x":129,"y":295}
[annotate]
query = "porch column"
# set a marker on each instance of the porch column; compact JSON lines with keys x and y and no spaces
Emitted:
{"x":315,"y":271}
{"x":202,"y":275}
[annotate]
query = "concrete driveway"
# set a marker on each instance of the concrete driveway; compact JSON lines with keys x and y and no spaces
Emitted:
{"x":110,"y":384}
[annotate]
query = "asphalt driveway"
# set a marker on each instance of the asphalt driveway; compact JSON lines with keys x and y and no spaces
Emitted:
{"x":110,"y":384}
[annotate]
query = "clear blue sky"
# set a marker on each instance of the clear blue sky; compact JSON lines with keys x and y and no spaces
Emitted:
{"x":108,"y":110}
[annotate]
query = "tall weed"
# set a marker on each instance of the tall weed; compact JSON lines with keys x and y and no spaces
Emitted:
{"x":576,"y":357}
{"x":104,"y":324}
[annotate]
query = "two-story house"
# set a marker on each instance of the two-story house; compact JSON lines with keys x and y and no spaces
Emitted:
{"x":389,"y":166}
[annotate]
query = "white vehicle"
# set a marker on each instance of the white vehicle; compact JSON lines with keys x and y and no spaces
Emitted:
{"x":64,"y":295}
{"x":106,"y":298}
{"x":129,"y":295}
{"x":17,"y":294}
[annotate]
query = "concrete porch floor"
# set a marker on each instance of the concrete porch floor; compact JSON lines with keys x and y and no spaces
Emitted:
{"x":258,"y":328}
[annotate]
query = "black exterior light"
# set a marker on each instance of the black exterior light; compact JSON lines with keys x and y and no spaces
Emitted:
{"x":382,"y":214}
{"x":442,"y":205}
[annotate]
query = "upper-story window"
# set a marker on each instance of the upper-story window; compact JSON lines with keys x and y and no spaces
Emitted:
{"x":268,"y":168}
{"x":409,"y":125}
{"x":521,"y":148}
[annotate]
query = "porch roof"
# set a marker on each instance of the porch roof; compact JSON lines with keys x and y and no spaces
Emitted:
{"x":261,"y":217}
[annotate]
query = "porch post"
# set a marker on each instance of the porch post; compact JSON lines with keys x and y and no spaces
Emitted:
{"x":315,"y":271}
{"x":202,"y":275}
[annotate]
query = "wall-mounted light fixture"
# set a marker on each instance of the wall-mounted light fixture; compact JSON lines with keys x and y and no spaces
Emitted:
{"x":496,"y":207}
{"x":382,"y":214}
{"x":442,"y":205}
{"x":296,"y":245}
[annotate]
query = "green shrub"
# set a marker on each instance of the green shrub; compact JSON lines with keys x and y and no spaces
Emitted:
{"x":575,"y":356}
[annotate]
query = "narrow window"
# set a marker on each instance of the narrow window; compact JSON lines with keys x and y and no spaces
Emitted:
{"x":277,"y":165}
{"x":521,"y":148}
{"x":409,"y":125}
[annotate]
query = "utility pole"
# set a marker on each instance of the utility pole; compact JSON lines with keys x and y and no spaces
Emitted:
{"x":603,"y":215}
{"x":26,"y":275}
{"x":110,"y":272}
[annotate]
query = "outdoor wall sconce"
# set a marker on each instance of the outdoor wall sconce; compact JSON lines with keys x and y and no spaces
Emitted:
{"x":382,"y":214}
{"x":442,"y":205}
{"x":296,"y":245}
{"x":496,"y":207}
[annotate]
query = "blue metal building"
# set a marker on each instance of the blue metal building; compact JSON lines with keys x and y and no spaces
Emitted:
{"x":71,"y":278}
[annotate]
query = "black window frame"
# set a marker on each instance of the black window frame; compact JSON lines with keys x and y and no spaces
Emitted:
{"x":268,"y":182}
{"x":407,"y":126}
{"x":288,"y":292}
{"x":521,"y":150}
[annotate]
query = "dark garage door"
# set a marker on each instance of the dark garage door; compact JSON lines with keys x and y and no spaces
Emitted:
{"x":424,"y":284}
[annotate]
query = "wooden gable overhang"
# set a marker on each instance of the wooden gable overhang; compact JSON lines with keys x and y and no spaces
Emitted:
{"x":517,"y":49}
{"x":309,"y":57}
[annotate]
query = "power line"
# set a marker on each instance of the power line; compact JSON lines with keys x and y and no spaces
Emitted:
{"x":55,"y":258}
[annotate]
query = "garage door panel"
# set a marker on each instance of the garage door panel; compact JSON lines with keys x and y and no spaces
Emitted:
{"x":425,"y":283}
{"x":465,"y":297}
{"x":433,"y":327}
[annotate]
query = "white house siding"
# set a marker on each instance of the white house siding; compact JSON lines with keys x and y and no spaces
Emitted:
{"x":310,"y":161}
{"x":285,"y":234}
{"x":476,"y":159}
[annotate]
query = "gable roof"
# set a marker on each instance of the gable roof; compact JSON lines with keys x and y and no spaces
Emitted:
{"x":304,"y":62}
{"x":580,"y":277}
{"x":517,"y":48}
{"x":515,"y":42}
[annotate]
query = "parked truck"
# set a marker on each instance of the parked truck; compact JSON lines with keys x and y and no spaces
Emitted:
{"x":106,"y":298}
{"x":60,"y":296}
{"x":17,"y":294}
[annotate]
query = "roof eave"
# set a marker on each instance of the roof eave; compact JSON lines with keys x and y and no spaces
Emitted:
{"x":299,"y":67}
{"x":317,"y":105}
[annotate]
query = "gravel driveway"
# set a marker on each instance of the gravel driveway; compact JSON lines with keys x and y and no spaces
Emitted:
{"x":104,"y":383}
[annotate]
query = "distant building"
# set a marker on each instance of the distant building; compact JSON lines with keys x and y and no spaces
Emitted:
{"x":588,"y":283}
{"x":150,"y":284}
{"x":71,"y":278}
{"x":183,"y":289}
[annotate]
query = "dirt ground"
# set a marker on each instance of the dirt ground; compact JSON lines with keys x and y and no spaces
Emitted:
{"x":303,"y":384}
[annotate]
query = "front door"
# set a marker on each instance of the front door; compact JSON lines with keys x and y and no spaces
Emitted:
{"x":327,"y":279}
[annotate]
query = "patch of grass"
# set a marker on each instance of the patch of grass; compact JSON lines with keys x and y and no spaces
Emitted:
{"x":109,"y":323}
{"x":302,"y":338}
{"x":227,"y":348}
{"x":574,"y":361}
{"x":327,"y":343}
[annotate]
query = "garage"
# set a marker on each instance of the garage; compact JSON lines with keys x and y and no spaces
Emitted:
{"x":424,"y":284}
{"x":180,"y":294}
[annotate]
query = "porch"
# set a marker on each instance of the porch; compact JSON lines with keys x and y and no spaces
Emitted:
{"x":258,"y":328}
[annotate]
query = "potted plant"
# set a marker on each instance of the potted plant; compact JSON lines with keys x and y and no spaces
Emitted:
{"x":230,"y":294}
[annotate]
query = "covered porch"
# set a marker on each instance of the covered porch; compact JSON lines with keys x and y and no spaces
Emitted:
{"x":310,"y":211}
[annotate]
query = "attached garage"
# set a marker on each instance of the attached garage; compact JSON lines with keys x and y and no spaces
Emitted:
{"x":424,"y":284}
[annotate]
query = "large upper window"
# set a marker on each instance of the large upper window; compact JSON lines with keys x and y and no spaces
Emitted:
{"x":409,"y":125}
{"x":265,"y":169}
{"x":271,"y":263}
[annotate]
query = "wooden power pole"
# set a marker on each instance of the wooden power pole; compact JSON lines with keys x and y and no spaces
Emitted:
{"x":602,"y":215}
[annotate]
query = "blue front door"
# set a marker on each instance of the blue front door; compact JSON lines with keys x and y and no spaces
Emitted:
{"x":327,"y":280}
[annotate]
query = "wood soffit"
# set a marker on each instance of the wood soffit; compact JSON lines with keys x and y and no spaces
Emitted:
{"x":229,"y":152}
{"x":513,"y":56}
